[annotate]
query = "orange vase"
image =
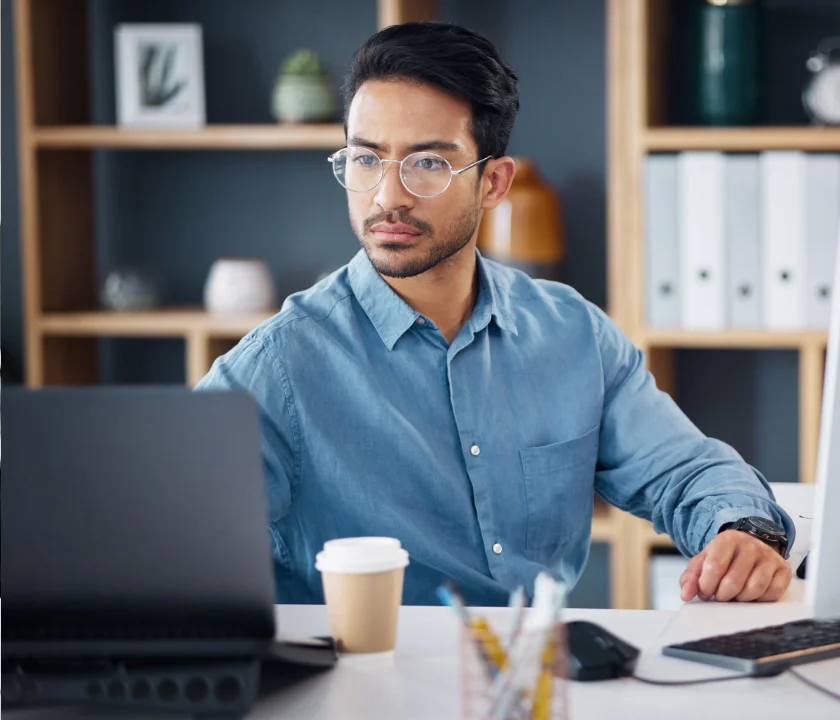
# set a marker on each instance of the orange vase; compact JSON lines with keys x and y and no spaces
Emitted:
{"x":526,"y":229}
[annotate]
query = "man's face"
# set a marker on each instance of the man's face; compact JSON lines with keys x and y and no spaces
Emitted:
{"x":405,"y":235}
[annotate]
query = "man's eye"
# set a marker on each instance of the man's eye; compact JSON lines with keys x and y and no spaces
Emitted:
{"x":430,"y":164}
{"x":365,"y":160}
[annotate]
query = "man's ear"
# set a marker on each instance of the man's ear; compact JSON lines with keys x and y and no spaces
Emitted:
{"x":496,"y":181}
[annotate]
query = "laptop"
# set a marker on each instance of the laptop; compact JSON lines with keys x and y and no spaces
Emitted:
{"x":136,"y":559}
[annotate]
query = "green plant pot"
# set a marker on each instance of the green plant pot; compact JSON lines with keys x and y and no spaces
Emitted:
{"x":302,"y":99}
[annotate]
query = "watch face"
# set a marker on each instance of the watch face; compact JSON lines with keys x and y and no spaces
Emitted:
{"x":766,"y":526}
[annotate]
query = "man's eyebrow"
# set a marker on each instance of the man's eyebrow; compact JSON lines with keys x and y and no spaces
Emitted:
{"x":356,"y":140}
{"x":435,"y":145}
{"x":428,"y":145}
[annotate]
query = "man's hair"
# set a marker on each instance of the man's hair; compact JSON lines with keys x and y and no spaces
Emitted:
{"x":451,"y":58}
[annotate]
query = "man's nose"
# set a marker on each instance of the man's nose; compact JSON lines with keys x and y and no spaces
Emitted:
{"x":391,"y":193}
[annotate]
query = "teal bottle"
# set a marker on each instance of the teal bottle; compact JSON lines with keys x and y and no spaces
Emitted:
{"x":726,"y":63}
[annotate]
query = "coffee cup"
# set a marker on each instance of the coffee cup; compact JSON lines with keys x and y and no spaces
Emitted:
{"x":363,"y":583}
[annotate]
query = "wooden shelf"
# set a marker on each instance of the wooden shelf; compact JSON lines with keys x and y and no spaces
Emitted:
{"x":653,"y":539}
{"x":732,"y":339}
{"x":175,"y":322}
{"x":604,"y":522}
{"x":210,"y":137}
{"x":744,"y":139}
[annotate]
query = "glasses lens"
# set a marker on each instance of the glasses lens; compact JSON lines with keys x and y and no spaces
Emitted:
{"x":426,"y":174}
{"x":357,"y":169}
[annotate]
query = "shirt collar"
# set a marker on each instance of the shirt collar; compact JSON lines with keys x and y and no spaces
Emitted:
{"x":392,"y":316}
{"x":493,"y":298}
{"x":389,"y":313}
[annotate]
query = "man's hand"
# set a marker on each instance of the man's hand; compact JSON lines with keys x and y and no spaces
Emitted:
{"x":736,"y":566}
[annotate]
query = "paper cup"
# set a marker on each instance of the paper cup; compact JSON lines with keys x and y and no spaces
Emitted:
{"x":363,"y":583}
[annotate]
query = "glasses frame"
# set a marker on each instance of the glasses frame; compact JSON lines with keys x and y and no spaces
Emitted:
{"x":383,"y":170}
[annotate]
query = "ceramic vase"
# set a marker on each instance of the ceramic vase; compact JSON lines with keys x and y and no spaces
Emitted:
{"x":239,"y":285}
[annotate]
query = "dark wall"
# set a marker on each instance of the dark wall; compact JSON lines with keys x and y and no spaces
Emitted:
{"x":10,"y":272}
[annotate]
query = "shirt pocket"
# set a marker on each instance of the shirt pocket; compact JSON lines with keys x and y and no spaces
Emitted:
{"x":559,"y":492}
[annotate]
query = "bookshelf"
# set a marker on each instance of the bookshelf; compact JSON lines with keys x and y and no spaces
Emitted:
{"x":61,"y":317}
{"x":741,"y":339}
{"x":639,"y":38}
{"x":667,"y":139}
{"x":57,"y":140}
{"x":62,"y":321}
{"x":214,"y":137}
{"x":171,"y":322}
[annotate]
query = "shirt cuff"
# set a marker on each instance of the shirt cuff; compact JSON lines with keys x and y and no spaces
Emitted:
{"x":769,"y":511}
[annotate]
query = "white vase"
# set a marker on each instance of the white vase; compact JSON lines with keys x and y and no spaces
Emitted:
{"x":239,"y":285}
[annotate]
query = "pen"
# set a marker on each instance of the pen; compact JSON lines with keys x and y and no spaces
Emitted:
{"x":490,"y":642}
{"x":526,"y":662}
{"x":486,"y":643}
{"x":517,"y":602}
{"x":543,"y":691}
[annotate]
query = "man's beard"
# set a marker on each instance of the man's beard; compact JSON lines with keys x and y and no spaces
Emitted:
{"x":453,"y":240}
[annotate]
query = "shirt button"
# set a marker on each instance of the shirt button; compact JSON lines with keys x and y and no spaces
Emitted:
{"x":420,"y":321}
{"x":475,"y":450}
{"x":497,"y":548}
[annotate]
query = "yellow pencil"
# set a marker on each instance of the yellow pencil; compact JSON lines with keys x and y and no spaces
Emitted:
{"x":545,"y":683}
{"x":489,"y":642}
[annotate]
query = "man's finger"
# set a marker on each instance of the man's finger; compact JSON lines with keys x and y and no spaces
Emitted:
{"x":689,"y":580}
{"x":719,"y":554}
{"x":779,"y":584}
{"x":759,"y":580}
{"x":740,"y":569}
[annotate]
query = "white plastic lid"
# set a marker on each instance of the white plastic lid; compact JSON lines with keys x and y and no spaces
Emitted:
{"x":361,"y":555}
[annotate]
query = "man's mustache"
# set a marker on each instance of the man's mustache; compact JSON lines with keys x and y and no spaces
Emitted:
{"x":398,"y":216}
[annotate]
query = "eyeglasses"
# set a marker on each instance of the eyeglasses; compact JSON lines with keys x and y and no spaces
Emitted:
{"x":423,"y":174}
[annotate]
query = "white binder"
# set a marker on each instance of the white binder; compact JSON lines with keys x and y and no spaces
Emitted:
{"x":743,"y":241}
{"x":661,"y":243}
{"x":783,"y":239}
{"x":701,"y":229}
{"x":822,"y":218}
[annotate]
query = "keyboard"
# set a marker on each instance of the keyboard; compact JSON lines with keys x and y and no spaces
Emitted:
{"x":765,"y":651}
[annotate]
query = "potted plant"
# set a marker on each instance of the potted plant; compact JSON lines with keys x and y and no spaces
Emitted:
{"x":303,"y":91}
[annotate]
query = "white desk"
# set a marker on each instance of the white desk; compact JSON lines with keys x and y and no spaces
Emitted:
{"x":422,"y":680}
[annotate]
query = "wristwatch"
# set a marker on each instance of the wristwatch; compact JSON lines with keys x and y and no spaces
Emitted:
{"x":765,"y":530}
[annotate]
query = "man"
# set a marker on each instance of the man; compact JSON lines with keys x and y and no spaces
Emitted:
{"x":425,"y":393}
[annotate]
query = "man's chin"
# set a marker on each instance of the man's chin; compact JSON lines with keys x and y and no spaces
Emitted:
{"x":397,"y":262}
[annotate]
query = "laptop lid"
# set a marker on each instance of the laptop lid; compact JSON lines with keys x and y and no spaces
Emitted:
{"x":134,"y":520}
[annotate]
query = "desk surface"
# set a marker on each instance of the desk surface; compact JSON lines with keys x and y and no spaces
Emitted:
{"x":422,"y":680}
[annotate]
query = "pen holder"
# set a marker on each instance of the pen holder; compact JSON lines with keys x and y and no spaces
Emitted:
{"x":496,"y":686}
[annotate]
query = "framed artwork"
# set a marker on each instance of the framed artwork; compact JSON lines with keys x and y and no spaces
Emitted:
{"x":160,"y":75}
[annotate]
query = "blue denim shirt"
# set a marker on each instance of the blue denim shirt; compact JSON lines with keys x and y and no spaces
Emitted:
{"x":484,"y":456}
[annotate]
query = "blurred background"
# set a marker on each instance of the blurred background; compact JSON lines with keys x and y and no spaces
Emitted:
{"x":165,"y":187}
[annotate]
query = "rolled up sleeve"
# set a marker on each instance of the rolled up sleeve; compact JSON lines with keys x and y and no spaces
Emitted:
{"x":656,"y":464}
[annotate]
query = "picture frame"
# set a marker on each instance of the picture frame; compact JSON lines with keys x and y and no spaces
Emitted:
{"x":160,"y":75}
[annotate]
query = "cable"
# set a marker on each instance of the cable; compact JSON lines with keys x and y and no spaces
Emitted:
{"x":815,"y":686}
{"x":652,"y":681}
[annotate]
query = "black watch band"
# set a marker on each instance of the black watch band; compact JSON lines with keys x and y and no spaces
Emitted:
{"x":762,"y":529}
